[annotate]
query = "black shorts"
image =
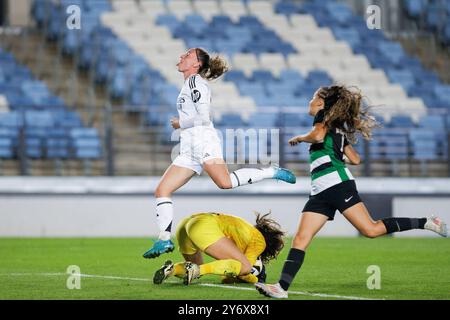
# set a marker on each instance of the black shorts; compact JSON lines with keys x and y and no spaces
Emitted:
{"x":339,"y":197}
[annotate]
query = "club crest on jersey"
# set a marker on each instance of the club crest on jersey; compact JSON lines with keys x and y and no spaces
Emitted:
{"x":180,"y":103}
{"x":196,"y":95}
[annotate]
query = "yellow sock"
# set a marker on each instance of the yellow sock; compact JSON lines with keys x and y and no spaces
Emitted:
{"x":229,"y":267}
{"x":250,"y":278}
{"x":179,"y":270}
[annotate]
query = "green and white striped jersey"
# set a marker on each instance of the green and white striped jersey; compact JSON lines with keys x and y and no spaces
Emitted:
{"x":326,"y":160}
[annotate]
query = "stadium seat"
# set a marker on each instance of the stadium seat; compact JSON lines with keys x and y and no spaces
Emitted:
{"x":424,"y":144}
{"x":401,"y":122}
{"x":232,"y":121}
{"x":432,"y":122}
{"x":263,"y":120}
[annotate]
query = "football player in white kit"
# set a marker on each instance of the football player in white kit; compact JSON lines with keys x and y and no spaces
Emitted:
{"x":200,"y":145}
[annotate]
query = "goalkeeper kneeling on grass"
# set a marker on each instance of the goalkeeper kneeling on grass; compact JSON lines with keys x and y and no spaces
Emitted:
{"x":240,"y":249}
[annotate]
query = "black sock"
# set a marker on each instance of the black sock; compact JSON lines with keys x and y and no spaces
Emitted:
{"x":403,"y":224}
{"x":291,"y":266}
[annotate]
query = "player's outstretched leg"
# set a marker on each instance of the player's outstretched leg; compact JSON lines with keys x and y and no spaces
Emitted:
{"x":437,"y":225}
{"x":271,"y":290}
{"x":242,"y":177}
{"x":164,"y":272}
{"x":159,"y":247}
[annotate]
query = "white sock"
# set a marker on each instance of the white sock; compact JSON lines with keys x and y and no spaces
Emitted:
{"x":246,"y":176}
{"x":164,"y":217}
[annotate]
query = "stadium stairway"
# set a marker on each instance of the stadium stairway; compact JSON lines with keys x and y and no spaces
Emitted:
{"x":437,"y":58}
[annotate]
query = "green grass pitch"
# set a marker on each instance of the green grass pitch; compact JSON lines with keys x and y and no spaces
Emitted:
{"x":334,"y":268}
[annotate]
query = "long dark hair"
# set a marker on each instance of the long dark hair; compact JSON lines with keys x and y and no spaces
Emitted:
{"x":344,"y":111}
{"x":210,"y":68}
{"x":272,"y":234}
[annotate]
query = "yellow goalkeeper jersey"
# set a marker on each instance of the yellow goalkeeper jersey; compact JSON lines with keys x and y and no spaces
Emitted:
{"x":247,"y":238}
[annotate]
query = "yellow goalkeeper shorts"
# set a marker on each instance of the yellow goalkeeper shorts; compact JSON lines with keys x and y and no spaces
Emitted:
{"x":198,"y":232}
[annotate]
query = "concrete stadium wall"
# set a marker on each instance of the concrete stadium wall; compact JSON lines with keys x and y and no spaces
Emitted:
{"x":124,"y":207}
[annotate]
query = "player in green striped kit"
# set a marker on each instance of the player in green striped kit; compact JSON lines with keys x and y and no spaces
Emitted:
{"x":338,"y":117}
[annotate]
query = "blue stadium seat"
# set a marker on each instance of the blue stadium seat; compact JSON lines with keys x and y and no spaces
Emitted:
{"x":424,"y":144}
{"x":221,"y":21}
{"x":236,"y":76}
{"x":401,"y":122}
{"x":57,"y":148}
{"x":252,"y":89}
{"x":319,"y":78}
{"x":168,"y":20}
{"x":279,"y":89}
{"x":294,"y":120}
{"x":350,"y":35}
{"x":87,"y":133}
{"x":263,"y":120}
{"x":88,"y":153}
{"x":435,"y":122}
{"x":5,"y":151}
{"x":403,"y":77}
{"x":196,"y":22}
{"x":11,"y":119}
{"x":263,"y":76}
{"x":86,"y":143}
{"x":230,"y":120}
{"x":414,"y":7}
{"x":286,"y":7}
{"x":39,"y":119}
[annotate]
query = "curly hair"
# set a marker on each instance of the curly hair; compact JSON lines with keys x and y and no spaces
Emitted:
{"x":211,"y":68}
{"x":344,"y":111}
{"x":272,"y":234}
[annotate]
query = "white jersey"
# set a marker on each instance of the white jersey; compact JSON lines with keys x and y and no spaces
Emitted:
{"x":194,"y":102}
{"x":199,"y":141}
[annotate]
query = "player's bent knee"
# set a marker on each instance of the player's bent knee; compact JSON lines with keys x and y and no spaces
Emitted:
{"x":223,"y":184}
{"x":370,"y":233}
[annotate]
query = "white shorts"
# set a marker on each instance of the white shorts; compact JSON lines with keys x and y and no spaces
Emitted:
{"x":197,"y":146}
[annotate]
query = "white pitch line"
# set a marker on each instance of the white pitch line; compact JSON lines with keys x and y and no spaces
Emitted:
{"x":322,"y":295}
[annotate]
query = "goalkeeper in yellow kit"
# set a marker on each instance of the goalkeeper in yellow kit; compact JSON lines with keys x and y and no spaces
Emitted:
{"x":233,"y":242}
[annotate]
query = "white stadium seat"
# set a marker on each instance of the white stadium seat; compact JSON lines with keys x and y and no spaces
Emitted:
{"x":246,"y":62}
{"x":153,"y":8}
{"x":207,"y":8}
{"x":4,"y":107}
{"x":273,"y":61}
{"x":233,"y":9}
{"x":125,"y":6}
{"x":260,"y":8}
{"x":180,"y":8}
{"x":303,"y":21}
